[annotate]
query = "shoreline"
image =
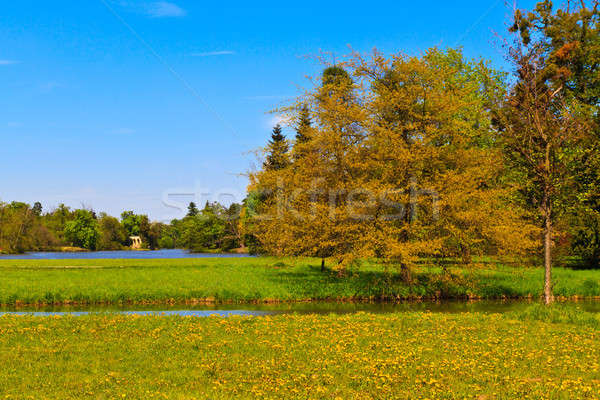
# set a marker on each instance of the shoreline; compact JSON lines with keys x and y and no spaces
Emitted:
{"x":259,"y":280}
{"x":75,"y":250}
{"x":341,"y":300}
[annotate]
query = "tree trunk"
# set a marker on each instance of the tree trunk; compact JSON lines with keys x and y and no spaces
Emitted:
{"x":547,"y":204}
{"x":322,"y":265}
{"x":406,"y":273}
{"x":466,"y":255}
{"x":548,"y":296}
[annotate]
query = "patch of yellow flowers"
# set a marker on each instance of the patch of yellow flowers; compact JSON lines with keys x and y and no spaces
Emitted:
{"x":359,"y":356}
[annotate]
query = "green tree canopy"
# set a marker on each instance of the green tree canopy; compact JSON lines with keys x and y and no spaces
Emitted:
{"x":131,"y":222}
{"x":83,"y":231}
{"x":112,"y":234}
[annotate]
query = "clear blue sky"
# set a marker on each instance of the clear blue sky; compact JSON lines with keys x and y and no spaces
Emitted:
{"x":114,"y":104}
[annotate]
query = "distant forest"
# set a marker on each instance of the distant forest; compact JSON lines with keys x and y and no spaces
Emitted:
{"x":25,"y":227}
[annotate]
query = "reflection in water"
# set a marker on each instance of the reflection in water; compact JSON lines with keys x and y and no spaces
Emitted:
{"x":224,"y":310}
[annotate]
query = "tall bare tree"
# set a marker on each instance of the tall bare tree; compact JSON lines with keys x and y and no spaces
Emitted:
{"x":540,"y":129}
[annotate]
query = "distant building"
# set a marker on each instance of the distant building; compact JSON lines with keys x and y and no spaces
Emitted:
{"x":136,"y":242}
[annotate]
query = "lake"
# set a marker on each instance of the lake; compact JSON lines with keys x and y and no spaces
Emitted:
{"x":225,"y":310}
{"x":126,"y":254}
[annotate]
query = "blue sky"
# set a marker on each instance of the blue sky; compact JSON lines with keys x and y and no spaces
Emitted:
{"x":121,"y":104}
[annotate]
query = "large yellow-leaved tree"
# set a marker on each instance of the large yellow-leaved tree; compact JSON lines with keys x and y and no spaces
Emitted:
{"x":398,"y":160}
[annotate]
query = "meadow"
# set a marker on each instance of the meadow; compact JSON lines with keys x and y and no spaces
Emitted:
{"x":244,"y":280}
{"x":363,"y":356}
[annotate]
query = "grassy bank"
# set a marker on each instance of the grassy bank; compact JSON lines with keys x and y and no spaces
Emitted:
{"x":263,"y":279}
{"x":414,"y":355}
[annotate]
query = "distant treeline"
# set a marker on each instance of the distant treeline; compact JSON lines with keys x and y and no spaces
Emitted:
{"x":25,"y":227}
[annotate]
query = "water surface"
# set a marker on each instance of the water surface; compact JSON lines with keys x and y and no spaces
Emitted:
{"x":124,"y":254}
{"x":224,"y":310}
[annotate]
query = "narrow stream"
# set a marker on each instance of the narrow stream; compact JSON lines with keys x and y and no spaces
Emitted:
{"x":224,"y":310}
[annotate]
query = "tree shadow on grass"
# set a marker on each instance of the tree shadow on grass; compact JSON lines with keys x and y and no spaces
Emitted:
{"x":311,"y":283}
{"x":495,"y":287}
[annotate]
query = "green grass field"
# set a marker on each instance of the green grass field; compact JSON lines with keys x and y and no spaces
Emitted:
{"x":363,"y":356}
{"x":263,"y":279}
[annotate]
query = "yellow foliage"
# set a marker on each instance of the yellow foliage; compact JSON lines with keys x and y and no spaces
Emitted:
{"x":401,"y":162}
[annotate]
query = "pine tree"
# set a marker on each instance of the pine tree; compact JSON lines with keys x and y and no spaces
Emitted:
{"x":304,"y":124}
{"x":192,"y":210}
{"x":336,"y":75}
{"x":277,"y":157}
{"x":37,"y":208}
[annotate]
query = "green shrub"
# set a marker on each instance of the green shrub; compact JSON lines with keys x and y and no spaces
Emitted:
{"x":166,"y":242}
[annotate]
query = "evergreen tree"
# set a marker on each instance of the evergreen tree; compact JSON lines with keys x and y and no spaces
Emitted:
{"x":303,"y":135}
{"x":277,"y":157}
{"x":304,"y":124}
{"x":336,"y":86}
{"x":336,"y":75}
{"x":192,"y":210}
{"x":37,"y":208}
